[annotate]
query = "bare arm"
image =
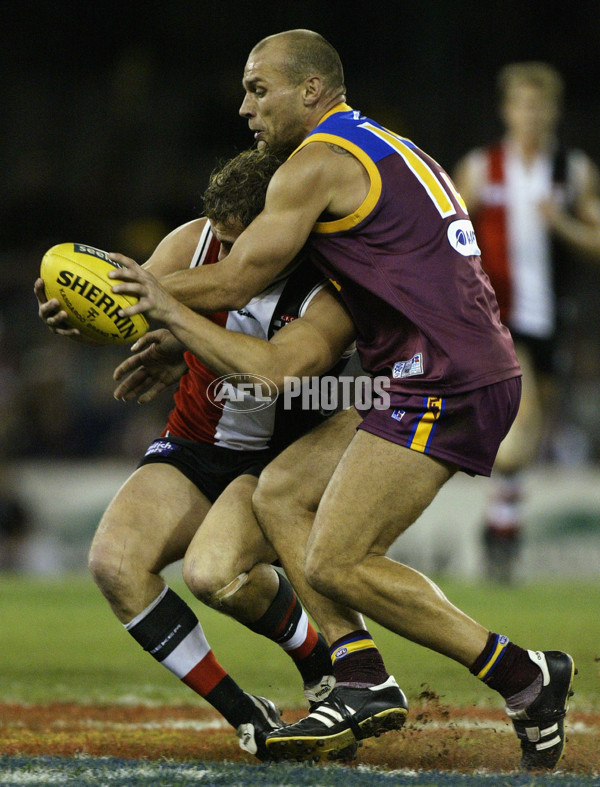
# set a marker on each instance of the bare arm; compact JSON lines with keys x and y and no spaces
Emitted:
{"x":175,"y":250}
{"x":307,"y":346}
{"x":468,"y":178}
{"x":314,"y":180}
{"x":583,"y":236}
{"x":581,"y":230}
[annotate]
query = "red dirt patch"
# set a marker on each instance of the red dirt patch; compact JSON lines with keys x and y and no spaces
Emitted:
{"x":436,"y":737}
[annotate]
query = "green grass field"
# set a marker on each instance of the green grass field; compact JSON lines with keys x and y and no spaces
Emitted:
{"x":61,"y":643}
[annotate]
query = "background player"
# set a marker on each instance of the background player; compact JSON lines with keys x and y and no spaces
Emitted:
{"x":387,"y":224}
{"x":515,"y":189}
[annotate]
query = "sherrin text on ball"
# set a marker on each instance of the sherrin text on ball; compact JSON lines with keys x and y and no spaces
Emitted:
{"x":77,"y":275}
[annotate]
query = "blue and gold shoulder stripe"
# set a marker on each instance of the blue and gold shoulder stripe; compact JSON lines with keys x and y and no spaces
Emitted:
{"x":350,"y":125}
{"x":371,"y":142}
{"x":349,"y":129}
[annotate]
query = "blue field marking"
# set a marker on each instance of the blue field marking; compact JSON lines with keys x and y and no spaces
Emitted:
{"x":114,"y":772}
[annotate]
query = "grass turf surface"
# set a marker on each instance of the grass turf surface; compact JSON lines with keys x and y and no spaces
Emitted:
{"x":61,"y":644}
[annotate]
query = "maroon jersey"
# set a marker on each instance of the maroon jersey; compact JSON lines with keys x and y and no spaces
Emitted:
{"x":407,"y":265}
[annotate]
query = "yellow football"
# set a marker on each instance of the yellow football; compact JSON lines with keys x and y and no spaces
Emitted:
{"x":77,"y":275}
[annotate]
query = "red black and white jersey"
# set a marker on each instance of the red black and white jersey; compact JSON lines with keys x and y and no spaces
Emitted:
{"x":199,"y":414}
{"x":525,"y":264}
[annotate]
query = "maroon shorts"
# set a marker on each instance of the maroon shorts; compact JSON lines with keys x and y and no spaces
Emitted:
{"x":465,"y":429}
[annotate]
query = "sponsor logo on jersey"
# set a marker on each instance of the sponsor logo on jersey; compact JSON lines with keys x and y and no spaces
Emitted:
{"x":408,"y":368}
{"x":246,"y":313}
{"x":286,"y":318}
{"x":398,"y":414}
{"x":461,"y":237}
{"x":283,"y":319}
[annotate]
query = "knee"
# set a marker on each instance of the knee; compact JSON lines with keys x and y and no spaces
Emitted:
{"x":196,"y":578}
{"x":110,"y":568}
{"x":205,"y":580}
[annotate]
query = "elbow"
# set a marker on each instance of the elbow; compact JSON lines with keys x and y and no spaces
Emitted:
{"x":233,"y":301}
{"x":279,"y":374}
{"x":236,"y":296}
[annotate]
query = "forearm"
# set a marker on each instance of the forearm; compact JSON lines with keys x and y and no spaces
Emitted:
{"x":225,"y":352}
{"x":258,"y":256}
{"x":581,"y":236}
{"x":233,"y":282}
{"x":307,"y":347}
{"x":204,"y":290}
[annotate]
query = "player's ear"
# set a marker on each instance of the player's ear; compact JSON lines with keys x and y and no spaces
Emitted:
{"x":313,"y":90}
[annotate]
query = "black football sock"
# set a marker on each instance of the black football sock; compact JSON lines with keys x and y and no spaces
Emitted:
{"x":172,"y":634}
{"x":286,"y":623}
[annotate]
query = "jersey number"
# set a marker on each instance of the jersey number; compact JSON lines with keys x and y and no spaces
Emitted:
{"x":437,"y":191}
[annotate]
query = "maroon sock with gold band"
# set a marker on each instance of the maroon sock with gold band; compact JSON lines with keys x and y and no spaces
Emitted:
{"x":356,"y":661}
{"x":504,"y":666}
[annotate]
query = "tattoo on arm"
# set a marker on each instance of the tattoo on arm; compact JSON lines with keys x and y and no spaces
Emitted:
{"x":337,"y":149}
